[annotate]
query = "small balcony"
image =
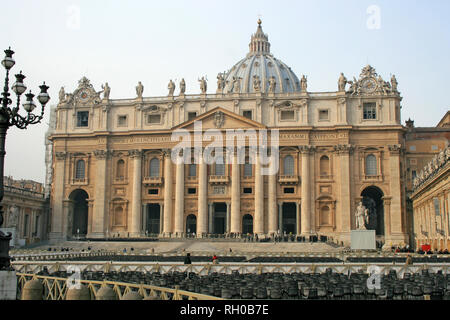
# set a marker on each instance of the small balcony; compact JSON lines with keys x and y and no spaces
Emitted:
{"x":218,"y":179}
{"x":152,"y":181}
{"x":288,"y":180}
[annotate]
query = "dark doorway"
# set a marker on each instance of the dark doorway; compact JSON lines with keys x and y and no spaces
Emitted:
{"x":220,"y":218}
{"x":191,"y":224}
{"x":153,"y":218}
{"x":247,"y":224}
{"x":289,"y":218}
{"x":80,"y":212}
{"x":372,"y":200}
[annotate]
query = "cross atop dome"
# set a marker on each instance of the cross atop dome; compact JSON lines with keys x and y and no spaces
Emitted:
{"x":259,"y":43}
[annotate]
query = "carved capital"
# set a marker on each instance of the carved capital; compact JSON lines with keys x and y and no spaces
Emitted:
{"x":395,"y":148}
{"x":101,"y":154}
{"x":341,"y":101}
{"x":166,"y":153}
{"x":344,"y":148}
{"x":61,"y":155}
{"x":307,"y":149}
{"x":135,"y":153}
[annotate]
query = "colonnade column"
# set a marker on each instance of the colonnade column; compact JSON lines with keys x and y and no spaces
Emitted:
{"x":202,"y":198}
{"x":168,"y":186}
{"x":306,"y":191}
{"x":235,"y":195}
{"x":259,"y":199}
{"x":280,"y":217}
{"x":228,"y":217}
{"x":136,"y":205}
{"x":272,"y":205}
{"x":179,"y":197}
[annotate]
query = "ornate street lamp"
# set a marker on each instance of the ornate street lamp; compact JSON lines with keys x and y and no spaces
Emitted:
{"x":9,"y":116}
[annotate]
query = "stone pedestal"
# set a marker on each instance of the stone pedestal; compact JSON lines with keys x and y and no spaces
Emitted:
{"x":8,"y":285}
{"x":14,"y":242}
{"x":363,"y":240}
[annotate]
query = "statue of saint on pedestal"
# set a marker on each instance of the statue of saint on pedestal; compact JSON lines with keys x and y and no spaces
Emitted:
{"x":361,"y":217}
{"x":106,"y":91}
{"x":171,"y":87}
{"x":182,"y":86}
{"x":139,"y":90}
{"x":203,"y":85}
{"x":303,"y":83}
{"x":342,"y":82}
{"x":272,"y":84}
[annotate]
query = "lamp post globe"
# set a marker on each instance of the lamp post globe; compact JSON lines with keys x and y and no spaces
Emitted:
{"x":12,"y":117}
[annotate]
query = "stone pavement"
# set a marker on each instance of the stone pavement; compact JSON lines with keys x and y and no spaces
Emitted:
{"x":193,"y":246}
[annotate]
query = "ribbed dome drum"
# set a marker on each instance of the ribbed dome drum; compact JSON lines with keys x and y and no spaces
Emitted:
{"x":259,"y":68}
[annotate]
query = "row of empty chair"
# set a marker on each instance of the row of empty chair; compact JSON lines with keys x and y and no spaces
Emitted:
{"x":325,"y":286}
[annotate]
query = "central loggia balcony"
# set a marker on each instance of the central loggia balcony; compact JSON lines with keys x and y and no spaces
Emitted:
{"x":152,"y":181}
{"x":213,"y":179}
{"x":288,"y":180}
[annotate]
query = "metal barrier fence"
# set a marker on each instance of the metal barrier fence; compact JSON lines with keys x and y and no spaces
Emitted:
{"x":56,"y":255}
{"x":34,"y":267}
{"x":56,"y":289}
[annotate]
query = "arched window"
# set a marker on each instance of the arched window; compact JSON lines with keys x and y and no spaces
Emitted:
{"x":288,"y":166}
{"x":154,"y":167}
{"x":120,"y":173}
{"x":324,"y":166}
{"x":80,"y":169}
{"x":247,"y":168}
{"x":371,"y":165}
{"x":219,"y":167}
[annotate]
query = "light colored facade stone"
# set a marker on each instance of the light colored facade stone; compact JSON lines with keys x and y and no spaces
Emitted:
{"x":329,"y":136}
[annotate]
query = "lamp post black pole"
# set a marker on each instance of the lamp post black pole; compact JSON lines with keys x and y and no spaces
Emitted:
{"x":9,"y":116}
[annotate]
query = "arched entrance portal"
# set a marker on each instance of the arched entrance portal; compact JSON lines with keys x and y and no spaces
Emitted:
{"x":191,"y":224}
{"x":247,"y":224}
{"x":80,"y":211}
{"x":153,"y":218}
{"x":372,"y":199}
{"x":289,"y":218}
{"x":220,"y":218}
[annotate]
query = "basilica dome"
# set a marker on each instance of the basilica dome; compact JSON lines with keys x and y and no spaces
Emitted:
{"x":260,"y":71}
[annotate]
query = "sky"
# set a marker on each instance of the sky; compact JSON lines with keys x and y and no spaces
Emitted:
{"x":123,"y":42}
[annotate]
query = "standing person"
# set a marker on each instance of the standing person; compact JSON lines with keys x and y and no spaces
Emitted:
{"x":187,"y":260}
{"x":214,"y":259}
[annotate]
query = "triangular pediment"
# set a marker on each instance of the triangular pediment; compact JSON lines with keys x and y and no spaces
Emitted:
{"x":221,"y":119}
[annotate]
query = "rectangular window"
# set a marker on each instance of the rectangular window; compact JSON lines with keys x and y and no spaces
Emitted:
{"x":434,"y":148}
{"x":412,"y":148}
{"x":369,"y":111}
{"x":121,"y":121}
{"x":288,"y":190}
{"x":192,"y":115}
{"x":247,"y":190}
{"x":247,"y":114}
{"x":36,"y":226}
{"x":153,"y":191}
{"x":414,"y":174}
{"x":323,"y":115}
{"x":288,"y":115}
{"x":82,"y":118}
{"x":154,"y":119}
{"x":192,"y":190}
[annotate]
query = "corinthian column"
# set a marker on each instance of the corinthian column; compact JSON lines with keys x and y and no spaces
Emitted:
{"x":272,"y":205}
{"x":136,"y":199}
{"x":179,"y":198}
{"x":235,"y":196}
{"x":259,"y":199}
{"x":344,"y":152}
{"x":202,"y":198}
{"x":98,"y":221}
{"x":168,"y":186}
{"x":306,"y":192}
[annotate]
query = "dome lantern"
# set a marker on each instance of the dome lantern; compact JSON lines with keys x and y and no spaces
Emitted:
{"x":259,"y":42}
